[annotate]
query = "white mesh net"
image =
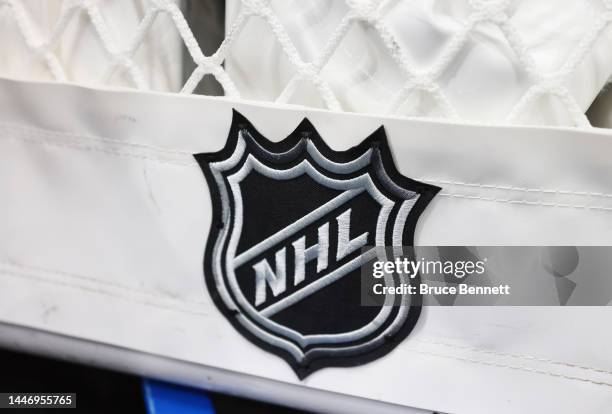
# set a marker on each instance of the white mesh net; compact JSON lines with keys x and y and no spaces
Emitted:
{"x":509,"y":61}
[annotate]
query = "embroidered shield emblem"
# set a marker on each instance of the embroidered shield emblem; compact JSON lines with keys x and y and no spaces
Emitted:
{"x":293,"y":222}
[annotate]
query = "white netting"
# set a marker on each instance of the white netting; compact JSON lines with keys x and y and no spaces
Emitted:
{"x":122,"y":38}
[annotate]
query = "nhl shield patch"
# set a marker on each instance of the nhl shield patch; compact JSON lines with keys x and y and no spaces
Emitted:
{"x":293,"y":222}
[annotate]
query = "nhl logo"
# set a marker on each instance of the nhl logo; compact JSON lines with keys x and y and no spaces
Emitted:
{"x":292,"y":224}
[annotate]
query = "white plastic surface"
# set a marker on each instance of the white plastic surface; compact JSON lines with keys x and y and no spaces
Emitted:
{"x":105,"y":218}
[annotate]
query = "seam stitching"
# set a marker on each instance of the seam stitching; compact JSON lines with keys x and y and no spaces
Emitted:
{"x":195,"y":312}
{"x":89,"y":148}
{"x":51,"y":272}
{"x":515,"y":367}
{"x":522,"y":189}
{"x":517,"y":356}
{"x":527,"y":202}
{"x":73,"y":135}
{"x":21,"y":275}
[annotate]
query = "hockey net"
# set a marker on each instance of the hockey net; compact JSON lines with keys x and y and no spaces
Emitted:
{"x":362,"y":56}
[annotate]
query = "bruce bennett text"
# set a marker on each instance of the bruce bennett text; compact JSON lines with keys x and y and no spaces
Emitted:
{"x":426,"y":289}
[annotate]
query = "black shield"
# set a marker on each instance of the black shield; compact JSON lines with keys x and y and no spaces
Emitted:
{"x":293,"y":222}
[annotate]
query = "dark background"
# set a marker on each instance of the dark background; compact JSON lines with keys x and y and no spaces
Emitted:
{"x":98,"y":391}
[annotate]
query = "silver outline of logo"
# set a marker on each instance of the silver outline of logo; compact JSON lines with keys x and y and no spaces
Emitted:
{"x":304,"y":348}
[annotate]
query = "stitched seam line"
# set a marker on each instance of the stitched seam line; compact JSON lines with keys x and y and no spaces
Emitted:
{"x":158,"y":305}
{"x":521,"y":189}
{"x":91,"y":279}
{"x":71,"y":135}
{"x":103,"y":150}
{"x":515,"y":367}
{"x":38,"y":279}
{"x":517,"y":356}
{"x":527,"y":202}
